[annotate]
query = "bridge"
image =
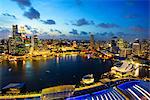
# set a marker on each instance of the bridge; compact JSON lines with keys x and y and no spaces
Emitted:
{"x":20,"y":96}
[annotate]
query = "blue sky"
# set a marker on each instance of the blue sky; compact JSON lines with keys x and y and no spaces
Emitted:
{"x":77,"y":19}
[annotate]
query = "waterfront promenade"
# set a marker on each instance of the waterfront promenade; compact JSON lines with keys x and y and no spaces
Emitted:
{"x":47,"y":54}
{"x":20,"y":96}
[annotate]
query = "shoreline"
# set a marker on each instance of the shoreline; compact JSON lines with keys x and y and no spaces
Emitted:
{"x":45,"y":56}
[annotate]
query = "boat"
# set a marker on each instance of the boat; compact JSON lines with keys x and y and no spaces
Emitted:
{"x":10,"y":69}
{"x":47,"y":71}
{"x":88,"y":79}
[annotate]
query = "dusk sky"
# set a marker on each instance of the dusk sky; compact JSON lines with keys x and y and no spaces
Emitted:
{"x":75,"y":19}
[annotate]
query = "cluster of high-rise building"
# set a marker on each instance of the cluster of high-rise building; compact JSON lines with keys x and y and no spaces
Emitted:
{"x":20,"y":44}
{"x":122,"y":48}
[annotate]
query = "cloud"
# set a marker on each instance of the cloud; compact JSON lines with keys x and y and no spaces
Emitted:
{"x":107,"y":25}
{"x":23,"y":3}
{"x":103,"y":33}
{"x":51,"y":30}
{"x":9,"y":15}
{"x":55,"y":31}
{"x":34,"y":31}
{"x":62,"y":35}
{"x":45,"y":33}
{"x":58,"y":31}
{"x":49,"y":22}
{"x":82,"y":22}
{"x":28,"y":27}
{"x":138,"y":29}
{"x":66,"y":23}
{"x":4,"y":32}
{"x":74,"y":32}
{"x":83,"y":33}
{"x":31,"y":30}
{"x":121,"y":34}
{"x":130,"y":16}
{"x":32,"y":14}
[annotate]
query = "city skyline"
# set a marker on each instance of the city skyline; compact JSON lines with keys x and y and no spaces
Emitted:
{"x":75,"y":49}
{"x":75,"y":19}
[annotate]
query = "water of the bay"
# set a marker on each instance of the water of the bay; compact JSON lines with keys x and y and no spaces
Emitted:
{"x":38,"y":74}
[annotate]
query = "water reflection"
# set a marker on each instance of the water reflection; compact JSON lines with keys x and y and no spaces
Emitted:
{"x":38,"y":74}
{"x":57,"y":60}
{"x":28,"y":64}
{"x":74,"y":58}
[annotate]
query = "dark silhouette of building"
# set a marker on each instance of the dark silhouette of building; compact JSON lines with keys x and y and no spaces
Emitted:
{"x":14,"y":30}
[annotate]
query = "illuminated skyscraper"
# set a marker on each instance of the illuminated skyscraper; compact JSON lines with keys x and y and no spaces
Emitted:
{"x":120,"y":43}
{"x":114,"y":47}
{"x":35,"y":38}
{"x":136,"y":48}
{"x":16,"y":43}
{"x":92,"y":41}
{"x":11,"y":45}
{"x":125,"y":52}
{"x":97,"y":46}
{"x":74,"y":44}
{"x":22,"y":32}
{"x":14,"y":30}
{"x":3,"y":46}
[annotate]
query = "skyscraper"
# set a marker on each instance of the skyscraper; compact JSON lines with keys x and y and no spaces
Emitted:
{"x":11,"y":45}
{"x":14,"y":30}
{"x":114,"y":48}
{"x":22,"y":32}
{"x":92,"y":41}
{"x":120,"y":43}
{"x":16,"y":43}
{"x":74,"y":44}
{"x":136,"y":48}
{"x":35,"y":38}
